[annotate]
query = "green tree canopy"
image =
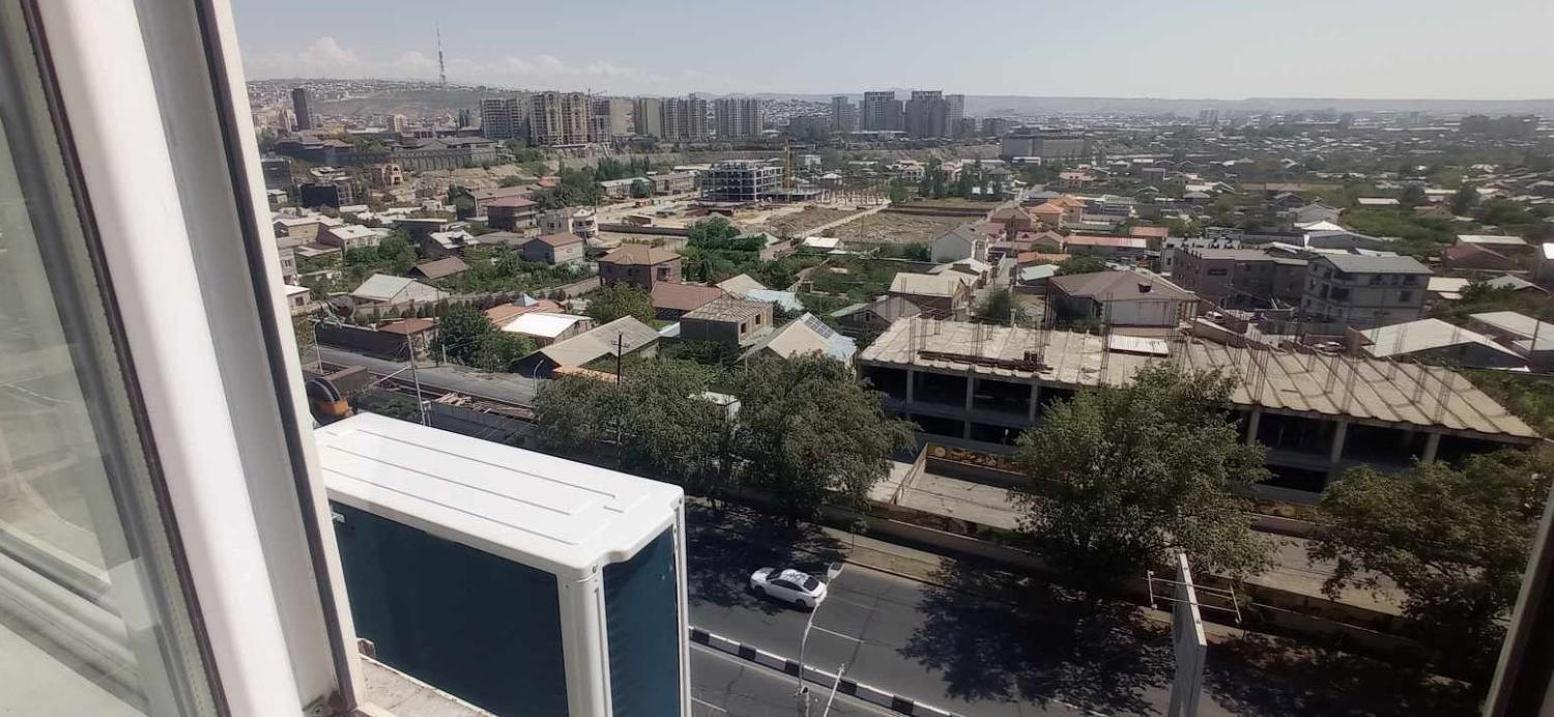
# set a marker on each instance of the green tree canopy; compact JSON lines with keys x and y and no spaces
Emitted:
{"x":1454,"y":542}
{"x":497,"y":351}
{"x":460,"y":329}
{"x":1464,"y":200}
{"x":999,"y":306}
{"x":1081,"y":264}
{"x":1123,"y":476}
{"x":612,"y":302}
{"x":810,"y":434}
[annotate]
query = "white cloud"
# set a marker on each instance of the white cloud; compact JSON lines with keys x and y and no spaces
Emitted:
{"x":325,"y":57}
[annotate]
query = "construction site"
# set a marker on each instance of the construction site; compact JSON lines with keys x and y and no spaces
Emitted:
{"x":1318,"y":414}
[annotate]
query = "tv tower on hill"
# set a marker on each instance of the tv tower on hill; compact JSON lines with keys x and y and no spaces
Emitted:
{"x":442,"y":69}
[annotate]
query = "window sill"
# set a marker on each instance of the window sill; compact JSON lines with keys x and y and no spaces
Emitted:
{"x":391,"y":693}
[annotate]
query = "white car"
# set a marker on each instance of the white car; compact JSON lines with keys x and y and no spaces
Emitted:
{"x":791,"y":586}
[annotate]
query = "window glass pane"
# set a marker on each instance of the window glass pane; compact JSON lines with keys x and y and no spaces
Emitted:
{"x":92,"y":618}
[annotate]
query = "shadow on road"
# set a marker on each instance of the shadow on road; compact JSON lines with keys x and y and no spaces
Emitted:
{"x":724,"y":547}
{"x":1262,"y":676}
{"x":1036,"y":642}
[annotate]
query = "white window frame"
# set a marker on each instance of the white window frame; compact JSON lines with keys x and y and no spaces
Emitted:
{"x":195,"y":277}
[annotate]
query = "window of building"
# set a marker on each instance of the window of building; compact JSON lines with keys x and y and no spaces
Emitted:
{"x":1405,"y":296}
{"x":1218,"y":272}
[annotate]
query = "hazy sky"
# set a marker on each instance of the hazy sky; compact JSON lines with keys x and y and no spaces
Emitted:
{"x":1435,"y":49}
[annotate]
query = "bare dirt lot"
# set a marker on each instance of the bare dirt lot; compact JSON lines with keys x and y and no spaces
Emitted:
{"x":798,"y":223}
{"x":884,"y":228}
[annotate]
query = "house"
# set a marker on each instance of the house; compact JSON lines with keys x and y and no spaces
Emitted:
{"x":671,"y":301}
{"x":1156,"y":236}
{"x":1242,"y":278}
{"x":439,"y":268}
{"x":417,"y":332}
{"x":1508,"y":245}
{"x":978,"y":273}
{"x":484,"y":198}
{"x":554,"y":249}
{"x":1016,"y":219}
{"x":1509,"y":282}
{"x":1312,"y":213}
{"x":1543,"y":266}
{"x":804,"y":335}
{"x":1106,"y":245}
{"x":504,"y":314}
{"x":945,"y":295}
{"x":514,"y":214}
{"x":1437,"y":342}
{"x":1033,"y":279}
{"x":823,"y":244}
{"x":582,"y":221}
{"x":1121,"y":298}
{"x":1342,"y":239}
{"x":1376,"y":201}
{"x":962,"y":242}
{"x":727,"y":320}
{"x":876,"y":315}
{"x":389,"y":290}
{"x":547,"y":327}
{"x":787,"y":300}
{"x":351,"y":236}
{"x":622,"y":337}
{"x":1049,"y":214}
{"x":303,"y":229}
{"x":640,"y":265}
{"x":297,"y":297}
{"x":1446,"y":288}
{"x":1364,"y":291}
{"x":740,"y":285}
{"x":1476,"y":257}
{"x":437,"y":245}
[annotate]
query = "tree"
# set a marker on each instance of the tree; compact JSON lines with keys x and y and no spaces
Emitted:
{"x":711,"y":233}
{"x":999,"y":307}
{"x":612,"y":302}
{"x":510,"y":181}
{"x":460,"y":329}
{"x":1081,"y":264}
{"x":1463,"y":200}
{"x":641,"y":189}
{"x":398,"y":253}
{"x":810,"y":434}
{"x":1454,"y":542}
{"x":899,"y":193}
{"x":463,"y":202}
{"x":1412,"y":196}
{"x":1121,"y":477}
{"x":497,"y":351}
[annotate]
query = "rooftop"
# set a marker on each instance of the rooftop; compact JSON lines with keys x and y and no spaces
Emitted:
{"x":1358,"y":264}
{"x":543,"y":324}
{"x":1120,"y":286}
{"x":639,"y":255}
{"x":727,"y":308}
{"x":945,"y":284}
{"x":682,"y":297}
{"x":1359,"y":389}
{"x":1491,"y":240}
{"x":1424,"y":335}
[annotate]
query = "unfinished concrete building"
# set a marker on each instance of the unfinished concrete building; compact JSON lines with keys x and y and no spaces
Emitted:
{"x":741,"y":180}
{"x":1318,"y":415}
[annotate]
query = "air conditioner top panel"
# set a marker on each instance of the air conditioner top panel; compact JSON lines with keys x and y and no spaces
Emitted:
{"x":557,"y":515}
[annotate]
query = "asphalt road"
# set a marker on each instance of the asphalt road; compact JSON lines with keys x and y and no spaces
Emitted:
{"x":725,"y":686}
{"x":1026,"y":649}
{"x":507,"y":387}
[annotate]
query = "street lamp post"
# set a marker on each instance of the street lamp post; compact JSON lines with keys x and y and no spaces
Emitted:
{"x":832,"y":570}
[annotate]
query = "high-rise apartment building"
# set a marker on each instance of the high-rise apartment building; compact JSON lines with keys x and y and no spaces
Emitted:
{"x":613,"y":117}
{"x":685,"y":119}
{"x":503,"y":118}
{"x":466,"y":117}
{"x":302,"y":105}
{"x":954,"y":112}
{"x":881,"y":111}
{"x":927,"y":114}
{"x":844,"y":114}
{"x":559,"y":118}
{"x":647,"y":117}
{"x":737,"y":118}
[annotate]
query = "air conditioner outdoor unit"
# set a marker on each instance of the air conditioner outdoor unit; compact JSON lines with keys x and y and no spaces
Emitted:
{"x":520,"y":582}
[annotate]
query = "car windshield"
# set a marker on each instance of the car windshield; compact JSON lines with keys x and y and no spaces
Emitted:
{"x":810,"y":584}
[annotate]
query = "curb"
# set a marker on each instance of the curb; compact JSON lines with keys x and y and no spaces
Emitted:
{"x":889,"y":700}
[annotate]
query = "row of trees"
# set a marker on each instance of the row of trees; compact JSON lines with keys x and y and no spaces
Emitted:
{"x":782,"y":441}
{"x":1122,"y":477}
{"x":466,"y":335}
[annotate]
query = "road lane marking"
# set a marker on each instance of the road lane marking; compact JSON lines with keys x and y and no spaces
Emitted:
{"x":708,"y":705}
{"x":844,"y":698}
{"x":838,"y":634}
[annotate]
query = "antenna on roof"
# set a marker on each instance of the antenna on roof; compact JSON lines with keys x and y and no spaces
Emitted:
{"x":442,"y":68}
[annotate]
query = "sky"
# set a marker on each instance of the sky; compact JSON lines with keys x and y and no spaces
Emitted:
{"x":1219,"y":49}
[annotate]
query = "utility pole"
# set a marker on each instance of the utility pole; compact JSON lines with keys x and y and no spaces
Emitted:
{"x":415,"y":377}
{"x":620,"y":341}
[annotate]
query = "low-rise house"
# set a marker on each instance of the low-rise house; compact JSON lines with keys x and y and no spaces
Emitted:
{"x":785,"y":300}
{"x":303,"y":229}
{"x":1475,"y":258}
{"x":944,"y":295}
{"x":1510,"y":282}
{"x":1508,"y":245}
{"x":1364,"y":291}
{"x":352,"y":236}
{"x":962,"y":242}
{"x":298,"y":297}
{"x":1106,"y":245}
{"x":546,"y":327}
{"x":484,"y":198}
{"x":453,"y":242}
{"x":381,"y":290}
{"x":804,"y":335}
{"x":1314,"y":212}
{"x":671,"y":301}
{"x":1033,"y":279}
{"x":1121,"y":298}
{"x":1446,"y":288}
{"x":740,"y":284}
{"x":640,"y":265}
{"x":622,"y":337}
{"x":876,"y":315}
{"x":582,"y":221}
{"x":1437,"y":342}
{"x":418,"y":333}
{"x":439,"y":268}
{"x":978,"y":273}
{"x":503,"y":314}
{"x":727,"y":320}
{"x":1241,"y":278}
{"x":554,"y":249}
{"x":513,"y":214}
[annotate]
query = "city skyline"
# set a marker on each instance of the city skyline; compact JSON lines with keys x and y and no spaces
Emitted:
{"x":1360,"y":50}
